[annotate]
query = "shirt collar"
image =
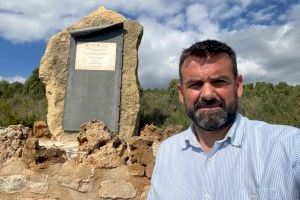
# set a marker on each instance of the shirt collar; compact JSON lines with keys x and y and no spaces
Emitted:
{"x":234,"y":135}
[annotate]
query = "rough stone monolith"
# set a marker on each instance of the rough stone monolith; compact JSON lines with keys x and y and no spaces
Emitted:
{"x":54,"y":67}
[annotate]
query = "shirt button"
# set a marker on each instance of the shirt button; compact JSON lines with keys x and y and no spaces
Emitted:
{"x":252,"y":196}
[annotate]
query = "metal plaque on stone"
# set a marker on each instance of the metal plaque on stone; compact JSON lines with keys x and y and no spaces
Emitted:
{"x":94,"y":77}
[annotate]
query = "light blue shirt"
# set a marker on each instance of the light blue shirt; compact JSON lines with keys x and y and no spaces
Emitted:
{"x":255,"y":160}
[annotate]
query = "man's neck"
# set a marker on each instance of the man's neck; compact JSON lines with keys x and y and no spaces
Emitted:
{"x":207,"y":138}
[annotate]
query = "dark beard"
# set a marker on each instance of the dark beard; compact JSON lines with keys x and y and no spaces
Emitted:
{"x":215,"y":119}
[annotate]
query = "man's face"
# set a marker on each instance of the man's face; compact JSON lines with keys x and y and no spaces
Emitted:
{"x":209,"y":91}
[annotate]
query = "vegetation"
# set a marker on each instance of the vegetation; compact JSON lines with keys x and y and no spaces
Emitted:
{"x":278,"y":103}
{"x":274,"y":103}
{"x":22,"y":103}
{"x":161,"y":107}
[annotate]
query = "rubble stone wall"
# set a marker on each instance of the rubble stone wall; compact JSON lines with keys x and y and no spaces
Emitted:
{"x":100,"y":165}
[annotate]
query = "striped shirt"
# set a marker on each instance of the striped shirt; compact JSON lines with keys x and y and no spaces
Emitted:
{"x":255,"y":160}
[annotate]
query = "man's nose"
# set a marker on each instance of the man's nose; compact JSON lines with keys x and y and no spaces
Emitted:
{"x":207,"y":92}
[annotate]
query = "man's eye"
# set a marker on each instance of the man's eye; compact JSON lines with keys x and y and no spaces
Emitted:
{"x":220,"y":82}
{"x":195,"y":86}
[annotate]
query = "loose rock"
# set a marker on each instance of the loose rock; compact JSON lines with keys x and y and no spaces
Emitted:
{"x":151,"y":131}
{"x":99,"y":147}
{"x":12,"y":184}
{"x":12,"y":140}
{"x":145,"y":193}
{"x":171,"y":130}
{"x":93,"y":135}
{"x":38,"y":183}
{"x":75,"y":184}
{"x":40,"y":129}
{"x":140,"y":151}
{"x":117,"y":189}
{"x":136,"y":170}
{"x":38,"y":157}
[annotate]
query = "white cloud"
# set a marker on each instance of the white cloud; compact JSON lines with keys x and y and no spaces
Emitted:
{"x":231,"y":12}
{"x":198,"y":18}
{"x":224,"y":11}
{"x":159,"y":51}
{"x":29,"y":20}
{"x":196,"y":13}
{"x":245,"y":3}
{"x":294,"y":14}
{"x":248,"y":68}
{"x":153,"y":8}
{"x":13,"y":79}
{"x":264,"y":15}
{"x":271,"y":52}
{"x":176,"y":21}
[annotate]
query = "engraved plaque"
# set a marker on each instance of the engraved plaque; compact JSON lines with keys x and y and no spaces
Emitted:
{"x":94,"y":77}
{"x":95,"y":56}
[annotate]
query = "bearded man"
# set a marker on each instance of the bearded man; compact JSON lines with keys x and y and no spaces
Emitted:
{"x":223,"y":155}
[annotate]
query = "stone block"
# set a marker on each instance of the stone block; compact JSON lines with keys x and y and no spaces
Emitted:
{"x":40,"y":129}
{"x":93,"y":135}
{"x":75,"y":183}
{"x":155,"y":147}
{"x":171,"y":130}
{"x":38,"y":157}
{"x":145,"y":193}
{"x":99,"y":147}
{"x":117,"y":189}
{"x":151,"y":131}
{"x":136,"y":170}
{"x":38,"y":188}
{"x":140,"y":151}
{"x":13,"y":184}
{"x":149,"y":169}
{"x":12,"y":140}
{"x":38,"y":183}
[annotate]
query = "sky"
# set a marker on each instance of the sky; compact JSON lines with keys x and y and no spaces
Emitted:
{"x":264,"y":33}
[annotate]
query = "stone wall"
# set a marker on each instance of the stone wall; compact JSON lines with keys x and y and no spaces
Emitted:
{"x":53,"y":71}
{"x":101,"y":165}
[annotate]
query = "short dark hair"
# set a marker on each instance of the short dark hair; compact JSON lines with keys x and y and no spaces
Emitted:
{"x":206,"y":48}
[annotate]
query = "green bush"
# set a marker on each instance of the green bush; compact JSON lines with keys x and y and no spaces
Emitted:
{"x":279,"y":103}
{"x":22,"y":103}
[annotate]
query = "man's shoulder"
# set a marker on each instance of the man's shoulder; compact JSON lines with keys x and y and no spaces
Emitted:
{"x":277,"y":142}
{"x":269,"y":130}
{"x":257,"y":124}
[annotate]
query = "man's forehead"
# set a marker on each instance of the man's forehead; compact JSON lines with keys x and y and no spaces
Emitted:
{"x":215,"y":66}
{"x":212,"y":58}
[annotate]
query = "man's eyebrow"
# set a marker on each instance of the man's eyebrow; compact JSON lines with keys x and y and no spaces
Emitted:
{"x":218,"y":77}
{"x":191,"y":81}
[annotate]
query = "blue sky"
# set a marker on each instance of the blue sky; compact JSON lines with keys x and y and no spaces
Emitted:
{"x":18,"y":59}
{"x":264,"y":34}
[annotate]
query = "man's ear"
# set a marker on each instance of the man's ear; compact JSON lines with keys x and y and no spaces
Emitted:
{"x":239,"y":85}
{"x":180,"y":92}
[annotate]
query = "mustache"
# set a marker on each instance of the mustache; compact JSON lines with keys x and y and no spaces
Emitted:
{"x":203,"y":103}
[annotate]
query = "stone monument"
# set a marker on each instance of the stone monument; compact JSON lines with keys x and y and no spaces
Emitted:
{"x":90,"y":72}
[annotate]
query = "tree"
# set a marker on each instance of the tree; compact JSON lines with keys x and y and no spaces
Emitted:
{"x":33,"y":85}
